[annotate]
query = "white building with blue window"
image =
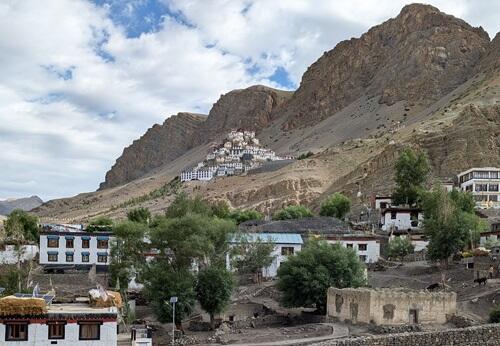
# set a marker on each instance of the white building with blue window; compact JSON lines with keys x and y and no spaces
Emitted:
{"x":74,"y":248}
{"x":285,"y":244}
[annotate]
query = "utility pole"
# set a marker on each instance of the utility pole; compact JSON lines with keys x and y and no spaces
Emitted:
{"x":173,"y":300}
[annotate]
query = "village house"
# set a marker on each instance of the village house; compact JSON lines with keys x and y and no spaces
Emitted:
{"x":35,"y":321}
{"x":390,"y":306}
{"x":284,"y":246}
{"x":483,"y":183}
{"x":74,"y":248}
{"x":401,"y":218}
{"x":12,"y":253}
{"x":366,"y":246}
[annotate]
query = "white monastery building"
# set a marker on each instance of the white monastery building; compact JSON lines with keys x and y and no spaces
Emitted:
{"x":484,"y":184}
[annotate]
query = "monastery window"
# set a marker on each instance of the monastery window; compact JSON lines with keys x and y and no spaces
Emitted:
{"x":70,"y":243}
{"x":52,"y":257}
{"x":394,"y":215}
{"x":102,"y":244}
{"x":362,"y":247}
{"x":16,"y":331}
{"x":493,"y":187}
{"x":56,"y":330}
{"x":69,"y":257}
{"x":53,"y":242}
{"x":85,"y":243}
{"x":389,"y":311}
{"x":90,"y":330}
{"x":481,"y":175}
{"x":494,"y":174}
{"x":481,"y":187}
{"x":287,"y":250}
{"x":85,"y":257}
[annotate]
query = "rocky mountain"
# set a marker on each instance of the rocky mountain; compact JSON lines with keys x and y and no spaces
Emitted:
{"x":26,"y":204}
{"x":423,"y":79}
{"x":250,"y":108}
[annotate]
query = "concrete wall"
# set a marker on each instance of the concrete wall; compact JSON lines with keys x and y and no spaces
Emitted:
{"x":38,"y":336}
{"x":473,"y":336}
{"x":9,"y":255}
{"x":390,"y":306}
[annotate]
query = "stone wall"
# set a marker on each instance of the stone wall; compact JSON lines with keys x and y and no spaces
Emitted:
{"x":485,"y":335}
{"x":390,"y":306}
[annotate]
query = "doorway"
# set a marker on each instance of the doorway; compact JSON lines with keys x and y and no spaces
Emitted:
{"x":413,"y":316}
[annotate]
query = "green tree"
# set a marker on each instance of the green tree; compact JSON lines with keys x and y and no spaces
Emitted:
{"x":449,"y":223}
{"x":183,"y":205}
{"x":400,"y":247}
{"x":22,"y":226}
{"x":411,"y":172}
{"x":337,"y":205}
{"x":213,"y":290}
{"x":306,"y":276}
{"x":495,"y":315}
{"x":250,"y":256}
{"x":292,"y":212}
{"x":221,"y":209}
{"x":100,"y":224}
{"x":142,"y":215}
{"x":240,"y":216}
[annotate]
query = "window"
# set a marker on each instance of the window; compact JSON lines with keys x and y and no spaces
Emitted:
{"x":468,"y":188}
{"x":481,"y":175}
{"x":480,"y":198}
{"x":362,"y":258}
{"x":494,"y":174}
{"x":102,"y":244}
{"x":481,"y":187}
{"x":394,"y":215}
{"x":90,"y":330}
{"x":56,"y":330}
{"x":16,"y":331}
{"x":493,"y":187}
{"x":85,"y":257}
{"x":69,"y":257}
{"x":85,"y":243}
{"x":70,"y":243}
{"x":53,"y":242}
{"x":102,"y":258}
{"x":362,"y":247}
{"x":350,"y":246}
{"x":52,"y":257}
{"x":494,"y":198}
{"x":287,"y":250}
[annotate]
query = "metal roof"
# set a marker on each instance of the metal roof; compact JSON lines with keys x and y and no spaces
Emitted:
{"x":278,"y":238}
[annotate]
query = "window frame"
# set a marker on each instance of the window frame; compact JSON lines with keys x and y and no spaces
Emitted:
{"x":49,"y":242}
{"x":71,"y":243}
{"x":56,"y":323}
{"x":87,"y":256}
{"x":364,"y":245}
{"x":72,"y":257}
{"x":85,"y":243}
{"x":8,"y":326}
{"x":100,"y":242}
{"x":287,"y":250}
{"x":87,"y":323}
{"x":100,"y":256}
{"x":53,"y":254}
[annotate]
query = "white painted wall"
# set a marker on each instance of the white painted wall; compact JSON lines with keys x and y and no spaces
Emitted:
{"x":77,"y":251}
{"x":38,"y":336}
{"x":402,"y":221}
{"x":372,"y":251}
{"x":10,"y":255}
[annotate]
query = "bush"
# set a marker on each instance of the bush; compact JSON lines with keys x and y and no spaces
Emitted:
{"x":305,"y":156}
{"x":292,"y":212}
{"x":495,"y":315}
{"x":337,"y":205}
{"x":240,"y":216}
{"x":400,"y":247}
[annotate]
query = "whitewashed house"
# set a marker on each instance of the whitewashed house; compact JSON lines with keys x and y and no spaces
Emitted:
{"x":366,"y":246}
{"x":484,"y":184}
{"x":285,"y":245}
{"x":63,"y":325}
{"x":9,"y":254}
{"x":74,"y":249}
{"x":401,"y":218}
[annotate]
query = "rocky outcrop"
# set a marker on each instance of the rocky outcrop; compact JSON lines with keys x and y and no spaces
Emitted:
{"x":420,"y":55}
{"x":26,"y":204}
{"x":250,"y":108}
{"x":160,"y":144}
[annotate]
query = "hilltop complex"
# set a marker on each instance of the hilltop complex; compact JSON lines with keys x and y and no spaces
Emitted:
{"x":239,"y":153}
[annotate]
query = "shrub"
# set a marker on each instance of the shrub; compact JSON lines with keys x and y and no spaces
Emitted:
{"x":495,"y":315}
{"x":292,"y":212}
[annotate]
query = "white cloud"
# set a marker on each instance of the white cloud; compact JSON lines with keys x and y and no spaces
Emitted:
{"x":75,"y":89}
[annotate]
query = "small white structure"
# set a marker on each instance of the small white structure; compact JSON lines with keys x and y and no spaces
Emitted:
{"x":382,"y":202}
{"x":483,"y":183}
{"x":367,"y":247}
{"x":401,"y":218}
{"x":286,"y":244}
{"x":76,"y":249}
{"x":9,"y":254}
{"x":62,"y":324}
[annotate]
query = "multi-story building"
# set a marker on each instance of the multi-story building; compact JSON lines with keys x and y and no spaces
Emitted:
{"x":74,"y":248}
{"x":401,"y":218}
{"x":366,"y":246}
{"x":483,"y":183}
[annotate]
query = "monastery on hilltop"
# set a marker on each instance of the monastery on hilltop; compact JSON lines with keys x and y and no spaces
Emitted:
{"x":239,"y":153}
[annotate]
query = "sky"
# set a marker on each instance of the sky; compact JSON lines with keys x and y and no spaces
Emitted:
{"x":81,"y":79}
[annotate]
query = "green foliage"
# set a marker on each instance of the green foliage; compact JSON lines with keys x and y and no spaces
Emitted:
{"x":411,"y":172}
{"x":164,"y":282}
{"x":251,"y":256}
{"x":448,"y":223}
{"x":495,"y":315}
{"x":127,"y":252}
{"x":100,"y":224}
{"x":213,"y":290}
{"x":292,"y":212}
{"x":400,"y":247}
{"x":240,"y":216}
{"x":183,"y":205}
{"x":221,"y":209}
{"x":337,"y":205}
{"x":10,"y":281}
{"x":142,"y":215}
{"x":22,"y":226}
{"x":490,"y":243}
{"x":306,"y":276}
{"x":305,"y":155}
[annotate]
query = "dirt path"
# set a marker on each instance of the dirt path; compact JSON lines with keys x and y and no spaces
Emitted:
{"x":338,"y":331}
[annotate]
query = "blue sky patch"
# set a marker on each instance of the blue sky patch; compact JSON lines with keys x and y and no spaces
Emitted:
{"x":282,"y":77}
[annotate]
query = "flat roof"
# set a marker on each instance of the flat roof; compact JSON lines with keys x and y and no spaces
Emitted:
{"x":479,"y":169}
{"x":278,"y":238}
{"x":78,"y":308}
